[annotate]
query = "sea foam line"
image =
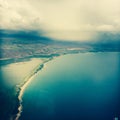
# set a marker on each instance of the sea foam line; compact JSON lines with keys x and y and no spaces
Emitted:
{"x":20,"y":98}
{"x":25,"y":84}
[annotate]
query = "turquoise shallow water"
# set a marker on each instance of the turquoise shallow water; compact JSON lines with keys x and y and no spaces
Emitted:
{"x":81,"y":86}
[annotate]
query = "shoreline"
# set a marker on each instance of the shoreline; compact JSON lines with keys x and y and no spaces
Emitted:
{"x":17,"y":105}
{"x":21,"y":88}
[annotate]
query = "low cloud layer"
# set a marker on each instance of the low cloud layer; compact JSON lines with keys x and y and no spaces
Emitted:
{"x":62,"y":19}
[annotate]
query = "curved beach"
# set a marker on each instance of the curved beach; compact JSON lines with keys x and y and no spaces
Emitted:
{"x":21,"y":88}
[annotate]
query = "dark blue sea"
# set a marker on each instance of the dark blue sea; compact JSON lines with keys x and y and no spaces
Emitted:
{"x":83,"y":86}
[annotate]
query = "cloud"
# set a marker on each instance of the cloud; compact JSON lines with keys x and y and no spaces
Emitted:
{"x":62,"y":19}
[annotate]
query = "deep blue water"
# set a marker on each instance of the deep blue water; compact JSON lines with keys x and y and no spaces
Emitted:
{"x":83,"y":86}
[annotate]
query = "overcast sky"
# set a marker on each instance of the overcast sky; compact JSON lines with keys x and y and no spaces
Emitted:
{"x":62,"y":19}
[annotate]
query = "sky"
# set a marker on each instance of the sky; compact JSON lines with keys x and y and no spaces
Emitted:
{"x":62,"y":19}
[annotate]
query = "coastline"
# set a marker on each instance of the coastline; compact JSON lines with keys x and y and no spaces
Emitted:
{"x":21,"y":88}
{"x":16,"y":113}
{"x":15,"y":75}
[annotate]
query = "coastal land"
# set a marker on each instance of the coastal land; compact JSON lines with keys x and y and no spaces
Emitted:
{"x":13,"y":77}
{"x":23,"y":55}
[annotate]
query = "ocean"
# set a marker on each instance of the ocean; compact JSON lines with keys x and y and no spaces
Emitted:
{"x":84,"y":86}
